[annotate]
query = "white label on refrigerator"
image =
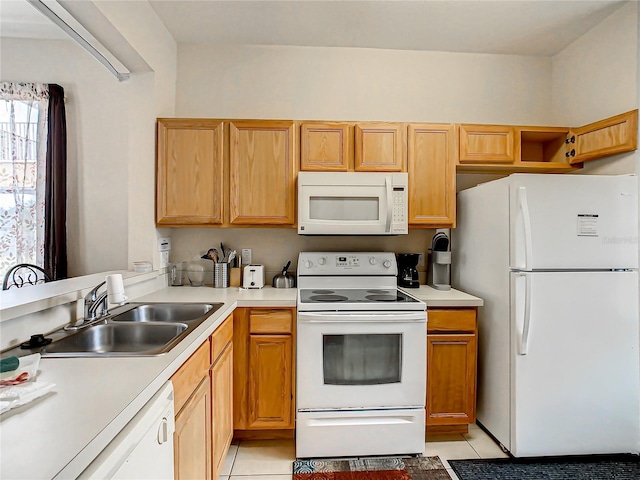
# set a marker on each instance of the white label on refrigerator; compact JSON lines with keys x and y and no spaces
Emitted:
{"x":587,"y":225}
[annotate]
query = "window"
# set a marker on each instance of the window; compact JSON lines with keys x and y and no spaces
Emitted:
{"x":23,"y":145}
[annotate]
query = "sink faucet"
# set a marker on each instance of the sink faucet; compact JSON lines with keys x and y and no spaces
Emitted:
{"x":93,"y":302}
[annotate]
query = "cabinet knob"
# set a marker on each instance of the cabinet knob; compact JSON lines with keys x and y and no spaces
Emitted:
{"x":572,"y":153}
{"x":572,"y":139}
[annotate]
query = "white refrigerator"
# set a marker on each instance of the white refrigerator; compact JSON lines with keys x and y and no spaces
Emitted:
{"x":555,"y":258}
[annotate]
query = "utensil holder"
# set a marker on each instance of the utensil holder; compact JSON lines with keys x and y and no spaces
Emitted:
{"x":220,"y":275}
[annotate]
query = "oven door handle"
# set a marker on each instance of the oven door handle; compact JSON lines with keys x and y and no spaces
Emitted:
{"x":378,"y":317}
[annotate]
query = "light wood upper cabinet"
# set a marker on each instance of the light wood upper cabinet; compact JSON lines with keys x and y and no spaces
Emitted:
{"x":610,"y":136}
{"x":190,"y":172}
{"x":380,"y":147}
{"x":326,"y":146}
{"x":262,"y":169}
{"x":487,"y":144}
{"x":432,"y":175}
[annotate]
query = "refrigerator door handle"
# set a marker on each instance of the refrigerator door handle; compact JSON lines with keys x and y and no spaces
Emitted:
{"x":389,"y":189}
{"x":523,"y":345}
{"x":526,"y":220}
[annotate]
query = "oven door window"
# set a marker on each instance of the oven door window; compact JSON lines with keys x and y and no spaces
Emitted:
{"x":362,"y":359}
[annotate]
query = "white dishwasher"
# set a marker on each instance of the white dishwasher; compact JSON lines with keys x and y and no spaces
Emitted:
{"x":143,"y":450}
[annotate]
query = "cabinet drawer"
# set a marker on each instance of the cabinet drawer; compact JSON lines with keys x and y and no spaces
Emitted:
{"x":220,"y":338}
{"x":270,"y":321}
{"x":190,"y":374}
{"x":463,"y":320}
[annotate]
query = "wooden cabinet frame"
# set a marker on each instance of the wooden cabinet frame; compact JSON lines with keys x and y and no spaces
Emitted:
{"x":452,"y":346}
{"x":508,"y":149}
{"x":190,"y":172}
{"x":431,"y":153}
{"x":264,"y":371}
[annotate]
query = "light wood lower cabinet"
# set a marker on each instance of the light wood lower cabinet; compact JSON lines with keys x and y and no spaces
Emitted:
{"x":451,"y":369}
{"x":203,"y":398}
{"x":192,"y":400}
{"x":221,"y":374}
{"x":192,"y":438}
{"x":264,"y":352}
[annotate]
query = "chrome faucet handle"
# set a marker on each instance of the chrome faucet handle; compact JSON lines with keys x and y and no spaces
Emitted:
{"x":92,"y":301}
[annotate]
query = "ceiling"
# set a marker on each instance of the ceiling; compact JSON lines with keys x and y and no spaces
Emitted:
{"x":538,"y":27}
{"x":531,"y":27}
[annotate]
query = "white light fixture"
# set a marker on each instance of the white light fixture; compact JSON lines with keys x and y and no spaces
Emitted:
{"x":61,"y":17}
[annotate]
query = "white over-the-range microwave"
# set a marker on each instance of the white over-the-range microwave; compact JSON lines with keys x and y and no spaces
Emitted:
{"x":352,"y":203}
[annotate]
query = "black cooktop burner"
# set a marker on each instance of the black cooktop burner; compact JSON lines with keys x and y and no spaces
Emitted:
{"x":322,"y":292}
{"x":383,"y":298}
{"x":328,"y":298}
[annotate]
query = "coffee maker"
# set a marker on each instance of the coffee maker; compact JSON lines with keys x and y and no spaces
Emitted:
{"x":439,"y":269}
{"x":407,"y":272}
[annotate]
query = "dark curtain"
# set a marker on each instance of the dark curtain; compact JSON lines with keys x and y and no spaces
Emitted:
{"x":55,"y":237}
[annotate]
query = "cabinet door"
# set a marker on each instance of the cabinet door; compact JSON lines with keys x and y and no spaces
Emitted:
{"x":270,"y":381}
{"x":222,"y":406}
{"x":326,"y":147}
{"x":606,"y":137}
{"x":451,"y":379}
{"x":192,"y":438}
{"x":432,"y":175}
{"x":379,"y":147}
{"x":263,"y":170}
{"x":488,"y":144}
{"x":190,"y":173}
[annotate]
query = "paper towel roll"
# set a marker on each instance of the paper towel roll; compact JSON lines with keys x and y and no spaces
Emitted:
{"x":115,"y":289}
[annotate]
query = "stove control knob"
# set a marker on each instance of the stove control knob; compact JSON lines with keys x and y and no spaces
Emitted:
{"x":386,"y":264}
{"x":308,"y":264}
{"x":373,"y":260}
{"x":322,"y":260}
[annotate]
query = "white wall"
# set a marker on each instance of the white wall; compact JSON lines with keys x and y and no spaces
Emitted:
{"x":361,"y":84}
{"x":596,"y":77}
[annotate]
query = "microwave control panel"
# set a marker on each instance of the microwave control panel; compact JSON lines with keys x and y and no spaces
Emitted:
{"x":400,"y":211}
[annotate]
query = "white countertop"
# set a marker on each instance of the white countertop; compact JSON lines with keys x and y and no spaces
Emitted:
{"x":58,"y":435}
{"x":444,"y":298}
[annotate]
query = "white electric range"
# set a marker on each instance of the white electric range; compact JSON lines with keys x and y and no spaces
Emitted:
{"x":361,"y":358}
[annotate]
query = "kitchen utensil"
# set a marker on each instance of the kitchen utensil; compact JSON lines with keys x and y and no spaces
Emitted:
{"x":220,"y":275}
{"x":284,"y":280}
{"x":212,"y":254}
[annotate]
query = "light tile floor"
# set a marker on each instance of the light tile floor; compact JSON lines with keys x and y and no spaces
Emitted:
{"x":273,"y":459}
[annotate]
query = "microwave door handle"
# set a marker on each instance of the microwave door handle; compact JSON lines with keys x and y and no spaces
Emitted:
{"x":387,"y":182}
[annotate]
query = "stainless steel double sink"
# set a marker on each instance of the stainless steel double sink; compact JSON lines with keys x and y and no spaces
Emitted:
{"x":135,"y":329}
